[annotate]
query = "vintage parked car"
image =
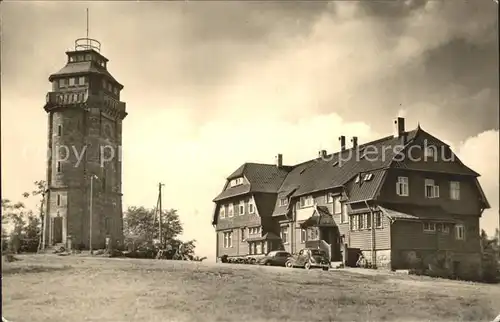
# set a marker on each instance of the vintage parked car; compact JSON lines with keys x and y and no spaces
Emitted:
{"x":275,"y":258}
{"x":309,"y":258}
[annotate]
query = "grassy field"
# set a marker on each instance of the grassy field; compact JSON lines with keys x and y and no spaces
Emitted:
{"x":53,"y":288}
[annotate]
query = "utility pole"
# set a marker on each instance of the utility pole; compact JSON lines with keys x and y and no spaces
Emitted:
{"x":160,"y":221}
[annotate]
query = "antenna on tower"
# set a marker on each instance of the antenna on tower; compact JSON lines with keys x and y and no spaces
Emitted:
{"x":87,"y":25}
{"x":87,"y":43}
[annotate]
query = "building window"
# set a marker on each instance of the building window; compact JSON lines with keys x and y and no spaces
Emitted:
{"x":368,"y":177}
{"x":378,"y":220}
{"x":354,"y":222}
{"x":72,"y":81}
{"x":81,"y":80}
{"x":313,"y":233}
{"x":431,"y":190}
{"x":368,"y":221}
{"x":58,"y":200}
{"x":230,"y":210}
{"x":115,"y":90}
{"x":329,"y":198}
{"x":251,"y":207}
{"x":228,"y":239}
{"x":72,"y":59}
{"x":429,"y":227}
{"x":222,"y":212}
{"x":361,"y":221}
{"x":59,"y":167}
{"x":443,"y":228}
{"x":303,"y":234}
{"x":106,"y":225}
{"x":337,"y":206}
{"x":242,"y":234}
{"x":254,"y":230}
{"x":59,"y":130}
{"x":344,"y":217}
{"x":402,"y":186}
{"x":242,"y":208}
{"x":455,"y":190}
{"x":63,"y":83}
{"x":459,"y":232}
{"x":283,"y":202}
{"x":306,"y":201}
{"x":284,"y":234}
{"x":104,"y":83}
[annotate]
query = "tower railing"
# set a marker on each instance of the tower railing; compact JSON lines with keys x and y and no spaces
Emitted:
{"x":87,"y":44}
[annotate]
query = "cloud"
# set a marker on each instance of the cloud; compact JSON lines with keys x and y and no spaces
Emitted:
{"x":481,"y":154}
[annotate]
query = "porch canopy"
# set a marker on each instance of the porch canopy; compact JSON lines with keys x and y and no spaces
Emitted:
{"x":417,"y":213}
{"x":266,"y":236}
{"x":320,"y":217}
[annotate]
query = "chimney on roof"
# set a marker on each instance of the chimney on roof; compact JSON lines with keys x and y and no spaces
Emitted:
{"x":354,"y":141}
{"x":342,"y":142}
{"x":399,"y":127}
{"x":322,"y":154}
{"x":279,"y":160}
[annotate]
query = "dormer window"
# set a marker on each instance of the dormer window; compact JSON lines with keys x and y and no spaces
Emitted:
{"x":368,"y":177}
{"x":306,"y":201}
{"x":283,"y":202}
{"x":236,"y":182}
{"x":357,"y":179}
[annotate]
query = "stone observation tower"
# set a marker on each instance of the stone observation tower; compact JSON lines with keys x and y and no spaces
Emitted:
{"x":85,"y":115}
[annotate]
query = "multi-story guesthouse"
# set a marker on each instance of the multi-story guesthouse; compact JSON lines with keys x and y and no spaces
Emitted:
{"x":397,"y":199}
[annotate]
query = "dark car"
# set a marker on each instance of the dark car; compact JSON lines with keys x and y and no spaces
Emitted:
{"x":309,"y":258}
{"x":275,"y":258}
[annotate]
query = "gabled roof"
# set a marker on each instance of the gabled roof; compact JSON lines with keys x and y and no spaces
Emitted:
{"x":265,"y":178}
{"x":319,"y":217}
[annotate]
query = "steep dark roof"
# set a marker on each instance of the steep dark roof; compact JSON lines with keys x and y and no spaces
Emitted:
{"x":339,"y":170}
{"x":265,"y":178}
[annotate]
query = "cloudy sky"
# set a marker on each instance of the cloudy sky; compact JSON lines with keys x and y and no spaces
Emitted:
{"x":211,"y":85}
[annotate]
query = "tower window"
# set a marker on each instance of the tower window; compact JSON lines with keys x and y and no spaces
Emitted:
{"x":81,"y":80}
{"x":72,"y":59}
{"x":58,"y":199}
{"x":72,"y":81}
{"x":110,"y":87}
{"x":115,"y":90}
{"x":59,"y":166}
{"x":59,"y":130}
{"x":88,"y":57}
{"x":104,"y":83}
{"x":63,"y":82}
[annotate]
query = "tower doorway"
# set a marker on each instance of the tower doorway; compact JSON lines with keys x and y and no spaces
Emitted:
{"x":57,"y":230}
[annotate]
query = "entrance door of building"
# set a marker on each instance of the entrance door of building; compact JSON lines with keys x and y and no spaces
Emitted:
{"x":57,"y":230}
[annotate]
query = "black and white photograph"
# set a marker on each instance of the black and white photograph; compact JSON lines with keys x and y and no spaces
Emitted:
{"x":249,"y":160}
